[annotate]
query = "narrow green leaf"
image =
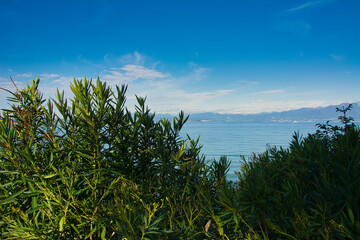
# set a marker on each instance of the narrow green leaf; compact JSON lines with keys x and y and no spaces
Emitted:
{"x":103,"y":233}
{"x":12,"y":198}
{"x":61,"y":224}
{"x":92,"y":232}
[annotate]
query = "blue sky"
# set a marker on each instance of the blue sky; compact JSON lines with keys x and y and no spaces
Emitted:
{"x":224,"y":56}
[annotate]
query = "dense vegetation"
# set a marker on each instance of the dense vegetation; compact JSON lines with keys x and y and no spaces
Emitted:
{"x":87,"y":168}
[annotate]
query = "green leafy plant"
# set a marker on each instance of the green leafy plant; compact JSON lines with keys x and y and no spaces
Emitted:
{"x":88,"y":168}
{"x":309,"y":190}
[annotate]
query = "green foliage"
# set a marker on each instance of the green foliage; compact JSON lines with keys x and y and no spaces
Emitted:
{"x":308,"y":191}
{"x":87,"y":168}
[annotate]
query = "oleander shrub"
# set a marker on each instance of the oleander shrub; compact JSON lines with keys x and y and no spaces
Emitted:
{"x":87,"y":168}
{"x":309,"y":190}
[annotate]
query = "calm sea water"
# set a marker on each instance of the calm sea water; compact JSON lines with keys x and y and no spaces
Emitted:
{"x":243,"y":138}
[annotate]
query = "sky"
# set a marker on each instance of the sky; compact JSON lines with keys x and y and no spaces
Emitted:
{"x":245,"y":56}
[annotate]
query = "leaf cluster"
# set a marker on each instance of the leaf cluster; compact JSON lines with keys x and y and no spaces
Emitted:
{"x":309,"y":190}
{"x":88,"y":168}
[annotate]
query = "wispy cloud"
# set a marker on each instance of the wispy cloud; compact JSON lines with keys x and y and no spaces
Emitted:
{"x":63,"y":80}
{"x":24,"y":75}
{"x":199,"y":72}
{"x":135,"y":58}
{"x":6,"y":84}
{"x":48,"y":76}
{"x":136,"y":72}
{"x":248,"y":82}
{"x":267,"y":92}
{"x":130,"y":72}
{"x":166,"y":93}
{"x":306,"y":5}
{"x":194,"y":89}
{"x":303,"y":6}
{"x":173,"y":100}
{"x":224,"y":92}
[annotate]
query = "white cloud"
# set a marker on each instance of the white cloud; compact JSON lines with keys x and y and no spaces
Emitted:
{"x":115,"y":77}
{"x":24,"y":75}
{"x":202,"y":96}
{"x":130,"y":72}
{"x":165,"y":94}
{"x":48,"y":76}
{"x":138,"y":57}
{"x":136,"y":71}
{"x":174,"y":100}
{"x":307,"y":5}
{"x":199,"y":73}
{"x":135,"y":58}
{"x":224,"y":92}
{"x":63,"y":80}
{"x":267,"y":92}
{"x":194,"y":90}
{"x":246,"y":82}
{"x":6,"y":83}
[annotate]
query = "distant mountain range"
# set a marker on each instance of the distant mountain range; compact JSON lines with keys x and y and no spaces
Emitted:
{"x":319,"y":115}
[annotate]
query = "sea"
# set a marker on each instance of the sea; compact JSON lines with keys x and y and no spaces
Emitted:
{"x":233,"y":139}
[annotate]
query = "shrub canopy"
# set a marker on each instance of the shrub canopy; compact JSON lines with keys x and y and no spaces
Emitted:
{"x":87,"y":168}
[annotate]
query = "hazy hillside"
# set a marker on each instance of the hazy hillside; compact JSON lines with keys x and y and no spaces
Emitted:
{"x":319,"y":114}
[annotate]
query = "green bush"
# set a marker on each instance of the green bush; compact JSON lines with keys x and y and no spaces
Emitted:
{"x":308,"y":191}
{"x":87,"y":168}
